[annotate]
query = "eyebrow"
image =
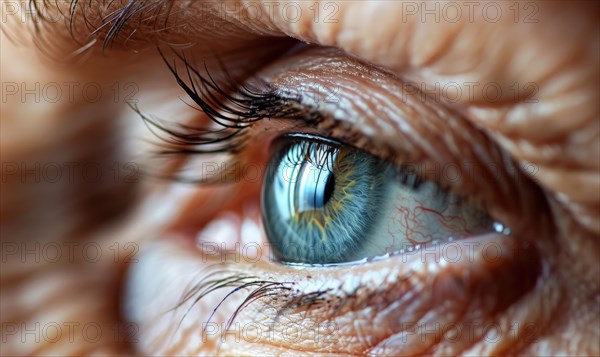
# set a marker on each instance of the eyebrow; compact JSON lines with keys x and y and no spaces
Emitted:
{"x":119,"y":19}
{"x":111,"y":20}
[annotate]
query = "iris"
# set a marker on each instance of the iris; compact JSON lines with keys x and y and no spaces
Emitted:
{"x":320,"y":199}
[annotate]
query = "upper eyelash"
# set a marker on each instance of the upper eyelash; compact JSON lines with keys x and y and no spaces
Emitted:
{"x":231,"y":105}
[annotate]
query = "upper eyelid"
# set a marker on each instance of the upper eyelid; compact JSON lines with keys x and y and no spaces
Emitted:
{"x":239,"y":109}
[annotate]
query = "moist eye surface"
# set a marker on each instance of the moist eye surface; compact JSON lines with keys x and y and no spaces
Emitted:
{"x":325,"y":202}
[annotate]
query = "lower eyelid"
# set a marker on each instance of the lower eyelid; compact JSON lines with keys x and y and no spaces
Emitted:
{"x":397,"y":291}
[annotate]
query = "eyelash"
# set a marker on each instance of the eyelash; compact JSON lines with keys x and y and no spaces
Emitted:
{"x":231,"y":106}
{"x":281,"y":294}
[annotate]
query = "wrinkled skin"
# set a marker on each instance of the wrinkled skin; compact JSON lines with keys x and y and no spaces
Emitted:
{"x":549,"y":289}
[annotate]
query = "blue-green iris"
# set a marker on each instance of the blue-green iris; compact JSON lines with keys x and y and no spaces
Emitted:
{"x":321,"y":199}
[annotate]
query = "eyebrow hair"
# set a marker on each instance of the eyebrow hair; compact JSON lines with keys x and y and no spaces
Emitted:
{"x":118,"y":19}
{"x":105,"y":18}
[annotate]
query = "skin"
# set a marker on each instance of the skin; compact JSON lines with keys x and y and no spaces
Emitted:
{"x":542,"y":292}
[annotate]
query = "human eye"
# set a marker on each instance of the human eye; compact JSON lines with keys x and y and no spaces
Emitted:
{"x":361,"y":182}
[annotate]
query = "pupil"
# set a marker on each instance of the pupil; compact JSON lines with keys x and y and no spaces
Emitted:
{"x":329,"y":188}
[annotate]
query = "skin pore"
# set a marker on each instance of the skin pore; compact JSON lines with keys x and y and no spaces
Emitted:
{"x":541,"y":294}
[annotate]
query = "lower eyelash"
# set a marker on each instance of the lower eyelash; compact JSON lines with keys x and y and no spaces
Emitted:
{"x":222,"y":276}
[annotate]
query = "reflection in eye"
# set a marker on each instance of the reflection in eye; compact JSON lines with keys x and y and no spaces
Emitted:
{"x":325,"y":202}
